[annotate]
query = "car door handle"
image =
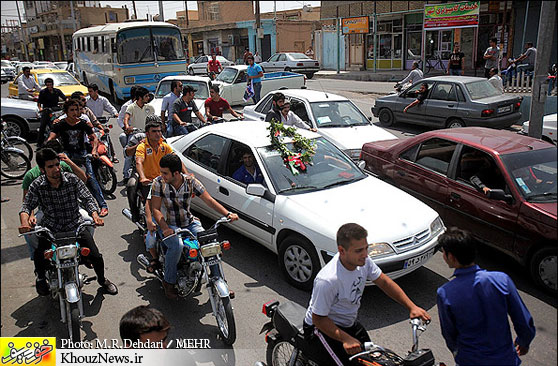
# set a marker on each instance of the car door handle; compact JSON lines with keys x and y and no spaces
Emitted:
{"x":401,"y":173}
{"x":451,"y":105}
{"x":224,"y":191}
{"x":455,"y":196}
{"x":262,"y":118}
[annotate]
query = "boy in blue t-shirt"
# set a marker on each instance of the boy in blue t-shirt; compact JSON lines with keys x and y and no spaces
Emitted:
{"x":255,"y":75}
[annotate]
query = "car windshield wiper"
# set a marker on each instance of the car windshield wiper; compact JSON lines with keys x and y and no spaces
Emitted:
{"x":334,"y":125}
{"x":292,"y":189}
{"x":339,"y":183}
{"x":545,"y":194}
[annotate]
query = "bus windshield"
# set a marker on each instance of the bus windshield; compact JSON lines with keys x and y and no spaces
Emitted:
{"x":135,"y":46}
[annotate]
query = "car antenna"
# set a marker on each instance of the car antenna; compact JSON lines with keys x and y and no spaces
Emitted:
{"x":321,"y":86}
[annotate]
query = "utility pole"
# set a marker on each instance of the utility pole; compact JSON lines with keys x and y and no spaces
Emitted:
{"x":189,"y":35}
{"x":135,"y":11}
{"x":161,"y":15}
{"x":545,"y":42}
{"x":258,"y":25}
{"x":23,"y":35}
{"x":73,"y":15}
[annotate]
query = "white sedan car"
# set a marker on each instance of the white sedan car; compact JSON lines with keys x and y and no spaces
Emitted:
{"x":199,"y":67}
{"x":335,"y":117}
{"x":297,"y":216}
{"x":549,"y":132}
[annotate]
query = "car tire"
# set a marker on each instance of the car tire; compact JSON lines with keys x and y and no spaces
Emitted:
{"x":455,"y":123}
{"x":298,"y":261}
{"x":288,"y":69}
{"x":191,"y":71}
{"x":309,"y":76}
{"x":17,"y":126}
{"x":543,"y":268}
{"x":263,"y":70}
{"x":386,"y":117}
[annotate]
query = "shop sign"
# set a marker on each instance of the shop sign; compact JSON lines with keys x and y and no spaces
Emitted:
{"x":454,"y":15}
{"x":355,"y":25}
{"x":41,"y":43}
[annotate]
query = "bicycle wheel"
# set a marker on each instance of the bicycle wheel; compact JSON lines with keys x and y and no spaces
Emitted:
{"x":21,"y":144}
{"x":14,"y":164}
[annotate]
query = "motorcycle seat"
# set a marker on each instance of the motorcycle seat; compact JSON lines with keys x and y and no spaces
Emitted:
{"x":288,"y":319}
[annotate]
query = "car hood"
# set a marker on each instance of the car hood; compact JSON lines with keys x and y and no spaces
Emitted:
{"x":548,"y":211}
{"x":157,"y":103}
{"x":388,"y":213}
{"x":20,"y":103}
{"x":69,"y":89}
{"x":354,"y":137}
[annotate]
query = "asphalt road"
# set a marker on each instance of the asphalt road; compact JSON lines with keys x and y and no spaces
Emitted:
{"x":253,"y":274}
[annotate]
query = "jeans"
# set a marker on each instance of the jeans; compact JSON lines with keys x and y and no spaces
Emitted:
{"x":257,"y":92}
{"x":128,"y":160}
{"x":174,"y":250}
{"x":33,"y":240}
{"x":93,"y":185}
{"x":525,"y":68}
{"x":169,"y":129}
{"x":455,"y":72}
{"x":178,"y":130}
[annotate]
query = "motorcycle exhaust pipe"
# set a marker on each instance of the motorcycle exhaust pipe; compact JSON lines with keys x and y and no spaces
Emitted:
{"x":128,"y":214}
{"x":143,"y":261}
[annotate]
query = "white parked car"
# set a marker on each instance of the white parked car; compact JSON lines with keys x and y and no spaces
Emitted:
{"x":61,"y":65}
{"x":199,"y":67}
{"x":334,"y":116}
{"x":292,"y":61}
{"x":297,"y":216}
{"x":549,"y":132}
{"x":21,"y":116}
{"x":199,"y":83}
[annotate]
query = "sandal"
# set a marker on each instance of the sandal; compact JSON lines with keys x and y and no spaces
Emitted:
{"x":153,"y":266}
{"x":104,"y":212}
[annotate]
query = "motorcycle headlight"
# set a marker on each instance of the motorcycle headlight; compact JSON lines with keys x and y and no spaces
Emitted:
{"x":210,"y":250}
{"x":353,"y":153}
{"x":379,"y":249}
{"x":66,"y":252}
{"x":436,"y":226}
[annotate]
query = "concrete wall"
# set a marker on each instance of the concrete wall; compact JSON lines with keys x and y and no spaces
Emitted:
{"x":268,"y":26}
{"x":294,"y":36}
{"x":99,"y":16}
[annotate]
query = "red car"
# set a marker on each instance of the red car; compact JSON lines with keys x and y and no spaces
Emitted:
{"x":497,"y":184}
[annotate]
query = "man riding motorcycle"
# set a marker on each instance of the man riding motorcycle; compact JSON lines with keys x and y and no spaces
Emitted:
{"x":57,"y":193}
{"x":330,"y":325}
{"x":173,"y":190}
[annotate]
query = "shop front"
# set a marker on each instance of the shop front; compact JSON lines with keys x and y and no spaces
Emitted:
{"x":389,"y":43}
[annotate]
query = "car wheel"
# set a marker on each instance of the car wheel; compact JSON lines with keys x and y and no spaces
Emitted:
{"x":543,"y":268}
{"x":455,"y":123}
{"x":191,"y":71}
{"x":263,"y":70}
{"x":310,"y":76}
{"x":15,"y":127}
{"x":386,"y":117}
{"x":298,"y":261}
{"x":288,"y":69}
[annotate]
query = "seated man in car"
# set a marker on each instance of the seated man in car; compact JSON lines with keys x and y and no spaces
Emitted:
{"x":421,"y":96}
{"x":249,"y":172}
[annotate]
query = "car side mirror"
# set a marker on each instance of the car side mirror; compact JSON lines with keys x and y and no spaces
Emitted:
{"x":370,"y":118}
{"x":500,"y":195}
{"x":258,"y":190}
{"x":361,"y":164}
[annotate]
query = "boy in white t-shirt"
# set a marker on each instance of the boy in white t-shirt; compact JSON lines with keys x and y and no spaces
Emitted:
{"x":330,"y":325}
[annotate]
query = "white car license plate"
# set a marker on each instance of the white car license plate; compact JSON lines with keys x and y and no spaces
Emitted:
{"x":415,"y":261}
{"x":504,"y":109}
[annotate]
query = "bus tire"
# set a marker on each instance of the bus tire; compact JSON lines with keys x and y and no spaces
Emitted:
{"x":113,"y":95}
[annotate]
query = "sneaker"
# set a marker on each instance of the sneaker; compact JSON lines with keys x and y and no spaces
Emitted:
{"x":170,"y":291}
{"x":109,"y":287}
{"x":41,"y":285}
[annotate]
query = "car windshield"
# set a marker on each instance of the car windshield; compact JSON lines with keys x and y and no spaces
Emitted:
{"x":60,"y":79}
{"x":227,"y":75}
{"x":298,"y":56}
{"x":330,"y":168}
{"x":337,"y":114}
{"x":6,"y":63}
{"x":200,"y":87}
{"x":481,"y":89}
{"x":534,"y":173}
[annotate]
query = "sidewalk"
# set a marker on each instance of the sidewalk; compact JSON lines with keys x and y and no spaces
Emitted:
{"x":385,"y":76}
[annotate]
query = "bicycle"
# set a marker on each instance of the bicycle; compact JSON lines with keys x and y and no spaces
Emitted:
{"x":432,"y":62}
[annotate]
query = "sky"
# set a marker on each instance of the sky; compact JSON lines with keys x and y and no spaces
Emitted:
{"x":9,"y":10}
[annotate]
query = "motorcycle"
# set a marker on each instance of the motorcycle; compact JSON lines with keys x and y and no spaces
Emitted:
{"x":63,"y":275}
{"x":200,"y":263}
{"x":16,"y":142}
{"x":103,"y":166}
{"x":53,"y":115}
{"x":15,"y":162}
{"x":399,"y":87}
{"x":286,"y":344}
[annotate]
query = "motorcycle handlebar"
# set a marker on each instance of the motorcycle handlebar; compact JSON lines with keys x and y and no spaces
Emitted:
{"x":40,"y":229}
{"x":220,"y":221}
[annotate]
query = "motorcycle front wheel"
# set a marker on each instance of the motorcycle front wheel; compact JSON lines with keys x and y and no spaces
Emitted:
{"x":14,"y":164}
{"x":21,"y":144}
{"x":225,"y":319}
{"x":279,"y":354}
{"x":74,"y":322}
{"x":106,"y":178}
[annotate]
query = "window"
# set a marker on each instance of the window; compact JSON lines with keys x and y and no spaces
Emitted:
{"x":299,"y":108}
{"x":88,"y":44}
{"x":460,"y":95}
{"x":236,"y":160}
{"x":95,"y":44}
{"x":103,"y":48}
{"x":443,"y":91}
{"x":410,"y":154}
{"x":475,"y":163}
{"x":265,"y":105}
{"x":282,"y":57}
{"x":168,"y":44}
{"x":412,"y":91}
{"x":435,"y":154}
{"x":207,"y":151}
{"x":134,"y":46}
{"x":481,"y":89}
{"x":273,"y":58}
{"x":83,"y":43}
{"x":202,"y":59}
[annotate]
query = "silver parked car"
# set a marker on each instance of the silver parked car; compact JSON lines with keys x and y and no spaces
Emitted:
{"x":21,"y":116}
{"x":452,"y":101}
{"x":292,"y":61}
{"x":8,"y":70}
{"x":199,"y":67}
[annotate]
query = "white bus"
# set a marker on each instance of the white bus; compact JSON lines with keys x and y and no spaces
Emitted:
{"x":116,"y":56}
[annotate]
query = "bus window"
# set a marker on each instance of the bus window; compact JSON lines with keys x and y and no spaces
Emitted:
{"x":82,"y":44}
{"x":88,"y":44}
{"x":103,"y":44}
{"x":167,"y":44}
{"x":95,"y":44}
{"x":134,"y":45}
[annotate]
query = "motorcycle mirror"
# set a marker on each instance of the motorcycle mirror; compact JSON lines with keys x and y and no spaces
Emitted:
{"x":109,"y":126}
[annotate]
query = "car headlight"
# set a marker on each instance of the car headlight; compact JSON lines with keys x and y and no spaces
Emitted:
{"x":353,"y":153}
{"x":379,"y":249}
{"x":65,"y":252}
{"x":436,"y":226}
{"x":129,"y":80}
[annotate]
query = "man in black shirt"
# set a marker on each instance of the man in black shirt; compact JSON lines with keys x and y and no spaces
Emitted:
{"x":72,"y":131}
{"x":182,"y":109}
{"x":48,"y":100}
{"x":421,"y":96}
{"x":277,"y":104}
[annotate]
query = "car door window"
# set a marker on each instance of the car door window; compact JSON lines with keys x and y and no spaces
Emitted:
{"x":410,"y":154}
{"x":435,"y":154}
{"x":265,"y":105}
{"x":207,"y":151}
{"x":460,"y":95}
{"x":282,"y":57}
{"x":443,"y":91}
{"x":235,"y":161}
{"x":299,"y":108}
{"x":475,"y":165}
{"x":202,"y":59}
{"x":412,"y":91}
{"x":273,"y":58}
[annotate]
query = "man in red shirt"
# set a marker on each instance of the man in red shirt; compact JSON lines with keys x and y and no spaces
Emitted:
{"x":213,"y":65}
{"x":215,"y":105}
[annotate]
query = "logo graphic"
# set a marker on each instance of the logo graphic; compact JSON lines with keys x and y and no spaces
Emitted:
{"x":157,"y":77}
{"x":28,"y":351}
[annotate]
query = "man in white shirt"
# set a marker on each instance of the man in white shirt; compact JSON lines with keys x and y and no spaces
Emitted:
{"x":98,"y":104}
{"x":330,"y":325}
{"x":26,"y":85}
{"x":530,"y":56}
{"x":496,"y":80}
{"x":289,"y":118}
{"x":414,"y":75}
